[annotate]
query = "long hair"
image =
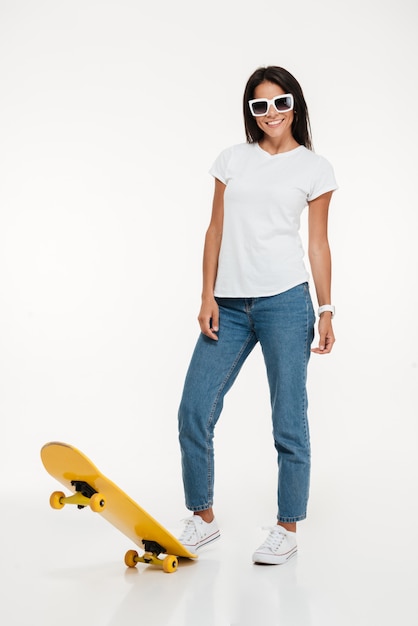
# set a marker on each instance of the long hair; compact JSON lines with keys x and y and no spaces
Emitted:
{"x":301,"y":128}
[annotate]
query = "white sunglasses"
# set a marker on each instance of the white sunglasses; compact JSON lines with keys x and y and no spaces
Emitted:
{"x":260,"y":106}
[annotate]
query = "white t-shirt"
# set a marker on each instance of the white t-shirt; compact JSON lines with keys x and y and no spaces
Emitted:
{"x":261,"y":251}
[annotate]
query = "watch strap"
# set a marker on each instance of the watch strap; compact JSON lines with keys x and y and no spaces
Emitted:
{"x":326,"y":307}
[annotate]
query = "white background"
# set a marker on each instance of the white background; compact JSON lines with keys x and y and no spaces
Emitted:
{"x":112,"y":113}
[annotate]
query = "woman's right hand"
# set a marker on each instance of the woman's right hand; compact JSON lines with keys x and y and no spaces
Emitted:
{"x":209,"y":318}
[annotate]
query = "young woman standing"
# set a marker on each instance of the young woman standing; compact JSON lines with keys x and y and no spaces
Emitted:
{"x":255,"y":289}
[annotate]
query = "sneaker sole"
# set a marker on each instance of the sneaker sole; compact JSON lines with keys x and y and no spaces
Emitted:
{"x":259,"y":558}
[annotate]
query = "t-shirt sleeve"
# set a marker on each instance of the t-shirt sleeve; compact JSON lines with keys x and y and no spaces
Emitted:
{"x":323,"y":179}
{"x":219,"y":168}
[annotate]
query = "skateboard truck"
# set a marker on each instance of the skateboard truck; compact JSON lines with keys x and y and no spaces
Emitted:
{"x":84,"y":496}
{"x":151,"y":557}
{"x":84,"y":489}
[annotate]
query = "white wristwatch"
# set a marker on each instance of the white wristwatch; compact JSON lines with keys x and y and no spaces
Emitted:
{"x":326,"y":307}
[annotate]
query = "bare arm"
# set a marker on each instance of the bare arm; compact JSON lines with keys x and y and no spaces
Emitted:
{"x":209,"y":311}
{"x":320,"y":260}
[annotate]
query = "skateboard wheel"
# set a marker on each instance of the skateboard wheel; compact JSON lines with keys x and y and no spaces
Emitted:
{"x":170,"y":564}
{"x":131,"y":558}
{"x":97,"y":502}
{"x":56,"y":500}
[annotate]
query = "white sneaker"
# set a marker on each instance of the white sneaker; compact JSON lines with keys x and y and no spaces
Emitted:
{"x":278,"y":548}
{"x":197,"y":533}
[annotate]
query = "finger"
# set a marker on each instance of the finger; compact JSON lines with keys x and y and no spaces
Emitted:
{"x":322,"y":341}
{"x":321,"y":351}
{"x":325,"y":344}
{"x":215,"y":321}
{"x":205,"y":327}
{"x":211,"y":334}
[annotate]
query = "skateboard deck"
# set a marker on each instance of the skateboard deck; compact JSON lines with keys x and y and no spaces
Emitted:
{"x":90,"y":488}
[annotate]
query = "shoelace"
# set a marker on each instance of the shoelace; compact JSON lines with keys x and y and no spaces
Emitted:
{"x":274,"y":539}
{"x":189,"y":530}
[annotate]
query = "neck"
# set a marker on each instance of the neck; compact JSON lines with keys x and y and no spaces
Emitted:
{"x":275,"y":146}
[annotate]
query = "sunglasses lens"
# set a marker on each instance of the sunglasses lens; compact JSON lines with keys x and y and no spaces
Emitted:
{"x":283,"y":103}
{"x":260,"y":107}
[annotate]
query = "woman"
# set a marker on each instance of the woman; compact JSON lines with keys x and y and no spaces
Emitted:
{"x":255,"y":289}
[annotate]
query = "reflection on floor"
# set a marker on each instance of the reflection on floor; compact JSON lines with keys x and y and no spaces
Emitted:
{"x":67,"y":568}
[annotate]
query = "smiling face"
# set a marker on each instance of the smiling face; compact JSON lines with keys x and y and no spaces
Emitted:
{"x":277,"y":127}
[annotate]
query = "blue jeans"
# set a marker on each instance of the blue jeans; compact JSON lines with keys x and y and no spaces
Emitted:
{"x":284,"y":326}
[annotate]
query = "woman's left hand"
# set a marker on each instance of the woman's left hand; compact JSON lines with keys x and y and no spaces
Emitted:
{"x":326,"y":335}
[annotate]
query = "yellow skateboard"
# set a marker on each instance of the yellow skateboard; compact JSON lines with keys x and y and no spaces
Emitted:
{"x":90,"y":488}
